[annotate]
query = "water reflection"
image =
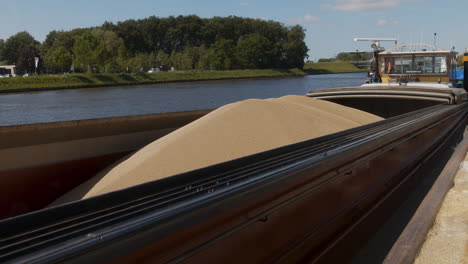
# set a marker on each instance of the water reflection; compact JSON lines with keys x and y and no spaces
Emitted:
{"x":38,"y":107}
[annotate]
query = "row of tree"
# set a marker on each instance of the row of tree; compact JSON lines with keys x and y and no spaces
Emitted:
{"x":184,"y":42}
{"x":349,"y":56}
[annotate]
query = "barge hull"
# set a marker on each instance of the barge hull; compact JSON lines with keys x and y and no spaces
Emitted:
{"x":41,"y":162}
{"x":285,"y":205}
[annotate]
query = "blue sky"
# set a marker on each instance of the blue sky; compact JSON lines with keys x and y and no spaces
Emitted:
{"x":331,"y":24}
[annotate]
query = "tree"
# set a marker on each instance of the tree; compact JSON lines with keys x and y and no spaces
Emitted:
{"x":152,"y":60}
{"x":123,"y":55}
{"x":344,"y":56}
{"x":14,"y":44}
{"x":2,"y":46}
{"x":58,"y":59}
{"x":112,"y":67}
{"x":162,"y":58}
{"x":50,"y":41}
{"x":94,"y":49}
{"x":202,"y":63}
{"x":132,"y":34}
{"x":65,"y":39}
{"x":97,"y":48}
{"x":256,"y":51}
{"x":139,"y":63}
{"x":26,"y":58}
{"x":110,"y":39}
{"x":222,"y":55}
{"x":187,"y":42}
{"x":107,"y":51}
{"x":326,"y":60}
{"x":185,"y":32}
{"x":87,"y":49}
{"x":188,"y":58}
{"x":177,"y":60}
{"x":295,"y":49}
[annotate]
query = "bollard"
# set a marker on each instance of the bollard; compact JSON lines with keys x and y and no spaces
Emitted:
{"x":465,"y":71}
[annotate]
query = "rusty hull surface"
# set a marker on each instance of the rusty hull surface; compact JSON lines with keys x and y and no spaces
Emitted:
{"x":298,"y":215}
{"x":304,"y":229}
{"x":40,"y":162}
{"x":410,"y":241}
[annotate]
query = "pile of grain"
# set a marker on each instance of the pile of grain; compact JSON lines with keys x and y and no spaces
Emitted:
{"x":232,"y":131}
{"x":447,"y":241}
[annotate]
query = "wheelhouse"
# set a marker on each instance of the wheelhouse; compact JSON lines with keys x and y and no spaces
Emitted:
{"x":417,"y":66}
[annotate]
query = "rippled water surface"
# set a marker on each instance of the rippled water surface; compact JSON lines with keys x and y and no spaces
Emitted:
{"x":50,"y":106}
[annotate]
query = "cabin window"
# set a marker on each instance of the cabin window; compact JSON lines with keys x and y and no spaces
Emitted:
{"x":440,"y":64}
{"x":403,"y":65}
{"x":428,"y":65}
{"x":416,"y":64}
{"x":420,"y":64}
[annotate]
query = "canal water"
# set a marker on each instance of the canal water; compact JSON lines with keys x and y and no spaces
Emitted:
{"x":51,"y":106}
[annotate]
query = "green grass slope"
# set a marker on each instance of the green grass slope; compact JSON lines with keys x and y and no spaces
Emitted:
{"x":48,"y":82}
{"x":331,"y":67}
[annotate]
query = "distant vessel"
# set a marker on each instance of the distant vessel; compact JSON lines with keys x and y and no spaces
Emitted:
{"x":404,"y":78}
{"x":427,"y":66}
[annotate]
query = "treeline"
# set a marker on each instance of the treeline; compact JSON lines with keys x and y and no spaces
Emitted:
{"x":345,"y":56}
{"x":183,"y":42}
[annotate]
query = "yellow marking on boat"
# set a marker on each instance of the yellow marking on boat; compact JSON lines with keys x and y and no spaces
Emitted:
{"x":465,"y":58}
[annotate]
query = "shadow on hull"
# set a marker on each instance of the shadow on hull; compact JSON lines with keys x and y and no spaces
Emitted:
{"x":288,"y":205}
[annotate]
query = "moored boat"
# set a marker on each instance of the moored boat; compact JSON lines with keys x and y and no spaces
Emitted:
{"x":402,"y":80}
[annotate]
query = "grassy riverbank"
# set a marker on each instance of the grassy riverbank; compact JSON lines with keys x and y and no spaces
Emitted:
{"x":50,"y":82}
{"x":71,"y":81}
{"x":331,"y":67}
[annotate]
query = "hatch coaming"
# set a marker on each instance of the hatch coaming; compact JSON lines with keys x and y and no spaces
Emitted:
{"x":388,"y":100}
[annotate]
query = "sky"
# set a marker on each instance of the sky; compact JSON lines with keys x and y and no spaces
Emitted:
{"x":330,"y":25}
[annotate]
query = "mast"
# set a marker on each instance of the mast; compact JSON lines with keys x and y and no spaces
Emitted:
{"x":377,"y":49}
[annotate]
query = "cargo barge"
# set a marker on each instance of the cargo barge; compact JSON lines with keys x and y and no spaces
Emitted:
{"x":286,"y":205}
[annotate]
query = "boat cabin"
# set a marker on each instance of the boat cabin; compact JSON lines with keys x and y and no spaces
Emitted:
{"x":436,"y":66}
{"x":408,"y":79}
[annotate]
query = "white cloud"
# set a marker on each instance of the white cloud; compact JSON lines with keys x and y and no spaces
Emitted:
{"x":385,"y":22}
{"x":245,"y":4}
{"x":306,"y":19}
{"x":364,"y":5}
